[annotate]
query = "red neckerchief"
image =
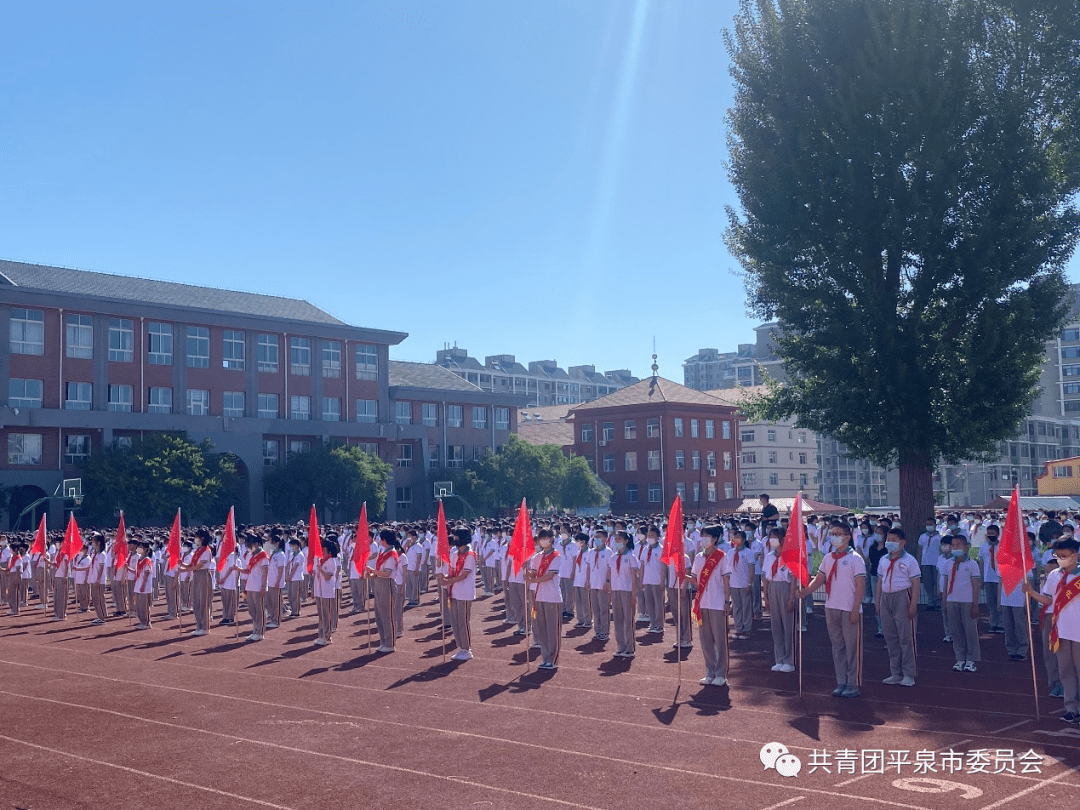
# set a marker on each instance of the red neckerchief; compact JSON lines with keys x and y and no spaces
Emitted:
{"x":707,"y":569}
{"x":993,"y":557}
{"x":14,"y":560}
{"x":546,"y":559}
{"x":618,"y":561}
{"x":1066,"y":592}
{"x":952,"y":576}
{"x":837,"y":556}
{"x":384,"y":556}
{"x":577,"y":562}
{"x":775,"y":566}
{"x":648,"y":557}
{"x":735,"y":559}
{"x":255,"y":560}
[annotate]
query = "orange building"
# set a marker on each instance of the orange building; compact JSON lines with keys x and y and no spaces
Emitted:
{"x":1060,"y":477}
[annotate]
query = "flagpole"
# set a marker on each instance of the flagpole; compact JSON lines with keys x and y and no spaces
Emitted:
{"x":678,"y":625}
{"x":1031,"y":655}
{"x":528,"y":615}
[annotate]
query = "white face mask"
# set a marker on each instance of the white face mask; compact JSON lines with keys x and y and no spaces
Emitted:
{"x":621,"y":547}
{"x":774,"y":544}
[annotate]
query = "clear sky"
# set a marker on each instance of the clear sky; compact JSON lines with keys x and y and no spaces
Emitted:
{"x":544,"y":179}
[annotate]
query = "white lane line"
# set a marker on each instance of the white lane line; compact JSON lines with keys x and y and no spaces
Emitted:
{"x":1029,"y":790}
{"x":1014,"y":725}
{"x":784,"y":803}
{"x":137,"y":772}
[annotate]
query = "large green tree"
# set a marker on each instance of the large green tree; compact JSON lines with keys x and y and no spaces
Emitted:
{"x":336,"y":478}
{"x":157,"y":475}
{"x":907,"y":174}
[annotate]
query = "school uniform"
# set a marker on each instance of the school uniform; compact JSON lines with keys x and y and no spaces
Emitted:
{"x":929,"y":551}
{"x":582,"y":607}
{"x":413,"y":562}
{"x":38,"y":564}
{"x":5,"y":556}
{"x":96,"y":577}
{"x":324,"y":589}
{"x":294,"y":575}
{"x":710,"y":611}
{"x":678,"y":602}
{"x":652,"y":582}
{"x":939,"y":568}
{"x":14,"y":567}
{"x":489,"y":556}
{"x":742,"y":608}
{"x":842,"y":570}
{"x":566,"y":551}
{"x":79,"y":569}
{"x":1014,"y":620}
{"x":461,"y":595}
{"x":227,"y":585}
{"x":275,"y":578}
{"x":384,"y":598}
{"x":596,"y":565}
{"x":757,"y":549}
{"x":1064,"y":624}
{"x":143,"y":586}
{"x":397,"y":589}
{"x":991,"y":580}
{"x":622,"y":570}
{"x":959,"y":588}
{"x":897,"y":578}
{"x":202,"y":563}
{"x":60,"y":589}
{"x":547,"y":600}
{"x":514,"y":597}
{"x":1050,"y":661}
{"x":778,"y":592}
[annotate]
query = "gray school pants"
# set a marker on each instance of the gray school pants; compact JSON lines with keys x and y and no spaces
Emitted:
{"x":929,"y":587}
{"x":201,"y":595}
{"x":742,"y":609}
{"x":965,"y":631}
{"x":846,"y":641}
{"x":548,"y":630}
{"x":1068,"y":656}
{"x":460,"y":613}
{"x":294,"y":596}
{"x":991,"y":591}
{"x":714,"y":642}
{"x":384,"y":611}
{"x":782,"y":622}
{"x":1014,"y":620}
{"x":583,"y":611}
{"x":171,"y":592}
{"x":898,"y":631}
{"x":654,"y":606}
{"x":256,"y":607}
{"x":622,"y":616}
{"x":1053,"y":672}
{"x":566,"y":587}
{"x":600,"y":602}
{"x":515,"y":603}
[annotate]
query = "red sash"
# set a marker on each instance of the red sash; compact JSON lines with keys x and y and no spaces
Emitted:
{"x":648,"y":557}
{"x":459,"y":563}
{"x":14,"y":560}
{"x":143,"y":567}
{"x":1065,"y":594}
{"x":837,"y":556}
{"x":255,"y":560}
{"x":384,"y":556}
{"x":707,"y":569}
{"x":198,"y":556}
{"x":545,"y":563}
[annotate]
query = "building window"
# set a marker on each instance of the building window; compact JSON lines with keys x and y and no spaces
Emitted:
{"x":729,"y":491}
{"x":802,"y":458}
{"x":655,"y":493}
{"x":198,"y":347}
{"x":404,"y":458}
{"x":1070,"y":334}
{"x":198,"y":402}
{"x":267,"y":348}
{"x":772,"y":456}
{"x":80,"y":336}
{"x":367,"y":363}
{"x":1070,"y":352}
{"x":630,"y":429}
{"x":803,"y":479}
{"x":454,"y":416}
{"x":429,"y":414}
{"x":121,"y":340}
{"x":710,"y":460}
{"x":403,"y":497}
{"x":1072,"y":388}
{"x":268,"y":406}
{"x":455,"y":455}
{"x":680,"y":490}
{"x":749,"y":457}
{"x":695,"y":459}
{"x":24,"y":448}
{"x":771,"y":435}
{"x":24,"y":393}
{"x":300,"y":356}
{"x":630,"y":461}
{"x":654,"y":459}
{"x":693,"y":428}
{"x":680,"y":459}
{"x":631,"y":493}
{"x":802,"y":438}
{"x":746,"y":436}
{"x":678,"y":427}
{"x":367,"y":410}
{"x":160,"y":400}
{"x":1064,"y":471}
{"x":232,"y":350}
{"x":710,"y":429}
{"x":299,"y":407}
{"x":502,"y":418}
{"x":725,"y":429}
{"x":331,"y":409}
{"x":774,"y":479}
{"x":712,"y":491}
{"x":652,"y":428}
{"x":298,"y":446}
{"x":270,"y":452}
{"x":160,"y":350}
{"x":331,"y":359}
{"x":479,"y":417}
{"x":727,"y":460}
{"x":697,"y":492}
{"x":27,"y":331}
{"x":609,"y":462}
{"x":608,"y":432}
{"x":120,"y":398}
{"x":433,"y":457}
{"x":371,"y":448}
{"x":78,"y":396}
{"x":76,"y":449}
{"x":122,"y":442}
{"x":232,"y":404}
{"x":403,"y":413}
{"x":749,"y":479}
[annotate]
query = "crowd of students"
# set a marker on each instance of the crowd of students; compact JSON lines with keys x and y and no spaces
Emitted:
{"x":603,"y":574}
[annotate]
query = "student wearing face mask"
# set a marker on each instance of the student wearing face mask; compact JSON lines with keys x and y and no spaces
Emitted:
{"x":597,"y":561}
{"x":565,"y":548}
{"x":779,"y":602}
{"x":960,"y":582}
{"x":624,"y":573}
{"x":144,"y":584}
{"x":1060,"y":595}
{"x":13,"y":568}
{"x":843,"y":572}
{"x":383,"y":567}
{"x":256,"y":584}
{"x":929,"y":542}
{"x":652,"y":580}
{"x":459,"y":580}
{"x":710,"y":573}
{"x":897,"y":601}
{"x":944,"y":555}
{"x":741,"y":570}
{"x":542,"y":579}
{"x":324,"y":587}
{"x":991,"y":578}
{"x":579,"y":549}
{"x":275,"y":578}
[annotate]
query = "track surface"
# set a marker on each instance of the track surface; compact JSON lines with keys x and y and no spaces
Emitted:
{"x":113,"y":718}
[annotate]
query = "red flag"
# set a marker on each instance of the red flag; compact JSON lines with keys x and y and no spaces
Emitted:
{"x":120,"y":549}
{"x":1014,"y":552}
{"x":362,"y":546}
{"x":674,"y":553}
{"x":39,"y":538}
{"x":314,"y":544}
{"x":443,"y":538}
{"x":72,"y":541}
{"x":793,"y":554}
{"x":173,"y":549}
{"x":521,"y":543}
{"x":228,"y":541}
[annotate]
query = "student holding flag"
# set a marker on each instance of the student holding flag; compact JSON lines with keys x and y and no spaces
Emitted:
{"x":381,"y":576}
{"x":460,"y":582}
{"x":1061,"y":593}
{"x":542,"y":579}
{"x":201,"y":567}
{"x":710,"y":576}
{"x":144,"y":584}
{"x":779,"y":601}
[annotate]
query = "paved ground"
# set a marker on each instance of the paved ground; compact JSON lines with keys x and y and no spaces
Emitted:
{"x":113,"y":718}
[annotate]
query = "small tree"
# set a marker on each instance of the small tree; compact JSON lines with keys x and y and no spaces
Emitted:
{"x":582,"y":487}
{"x":336,"y":478}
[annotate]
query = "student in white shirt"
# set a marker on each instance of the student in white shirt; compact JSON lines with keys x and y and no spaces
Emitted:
{"x":742,"y":567}
{"x":79,"y":569}
{"x":991,"y":578}
{"x":709,"y":575}
{"x":597,"y":563}
{"x":624,"y":572}
{"x":897,"y":601}
{"x":578,"y":551}
{"x":843,"y":572}
{"x":542,"y":579}
{"x":96,"y":578}
{"x":959,"y":585}
{"x":460,"y":583}
{"x":384,"y":567}
{"x":275,"y":581}
{"x":324,"y":588}
{"x":929,"y":542}
{"x":652,"y":580}
{"x":256,"y":583}
{"x":14,"y":566}
{"x":295,"y":565}
{"x":1061,"y":593}
{"x":779,"y":601}
{"x":565,"y":548}
{"x":944,"y":555}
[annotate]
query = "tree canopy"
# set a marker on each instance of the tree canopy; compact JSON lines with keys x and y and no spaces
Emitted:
{"x":907,"y":173}
{"x":336,"y":478}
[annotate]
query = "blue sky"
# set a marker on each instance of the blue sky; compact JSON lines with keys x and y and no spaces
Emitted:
{"x":543,"y":179}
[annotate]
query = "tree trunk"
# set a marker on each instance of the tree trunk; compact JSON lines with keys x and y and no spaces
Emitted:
{"x":916,"y":495}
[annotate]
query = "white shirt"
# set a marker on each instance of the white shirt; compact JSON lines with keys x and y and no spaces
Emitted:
{"x":597,"y":561}
{"x":841,"y":596}
{"x":652,"y":572}
{"x":325,"y":578}
{"x":545,"y":591}
{"x":961,"y":587}
{"x":903,"y":573}
{"x":621,"y":568}
{"x":740,"y":571}
{"x":990,"y":572}
{"x":715,"y":595}
{"x":466,"y":589}
{"x":256,"y":579}
{"x":1068,"y":623}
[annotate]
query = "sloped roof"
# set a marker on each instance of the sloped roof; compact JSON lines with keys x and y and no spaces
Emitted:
{"x":553,"y":432}
{"x":168,"y":293}
{"x":427,"y":375}
{"x":643,"y":393}
{"x":736,"y":395}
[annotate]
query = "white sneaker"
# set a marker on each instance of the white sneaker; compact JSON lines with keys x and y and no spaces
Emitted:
{"x":907,"y":681}
{"x":384,"y":649}
{"x":254,"y":637}
{"x":969,"y":666}
{"x":893,"y":680}
{"x":463,"y":655}
{"x":706,"y":681}
{"x":320,"y":643}
{"x":777,"y":667}
{"x":787,"y":667}
{"x":535,"y":645}
{"x":719,"y":681}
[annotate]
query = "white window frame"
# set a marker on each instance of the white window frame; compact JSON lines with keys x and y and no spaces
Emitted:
{"x":79,"y":336}
{"x":21,"y":392}
{"x":230,"y":403}
{"x":121,"y":340}
{"x":300,"y":407}
{"x":331,"y":359}
{"x":197,"y":347}
{"x":268,"y":350}
{"x":120,"y":398}
{"x":455,"y":416}
{"x":158,"y":406}
{"x":76,"y":448}
{"x":233,"y":350}
{"x":265,"y":411}
{"x":198,"y":402}
{"x":26,"y":331}
{"x":331,"y":409}
{"x":24,"y":449}
{"x":300,"y":356}
{"x":84,"y":396}
{"x":367,"y":362}
{"x":369,"y":411}
{"x":159,"y":350}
